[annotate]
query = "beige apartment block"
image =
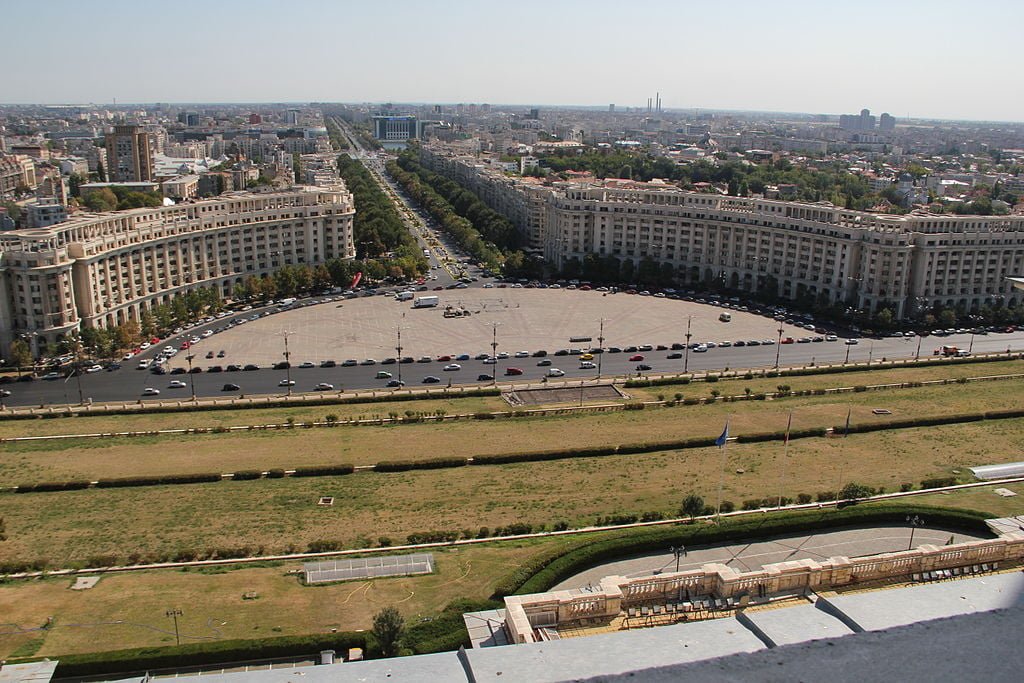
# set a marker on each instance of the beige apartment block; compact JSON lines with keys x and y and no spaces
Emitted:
{"x":101,"y":270}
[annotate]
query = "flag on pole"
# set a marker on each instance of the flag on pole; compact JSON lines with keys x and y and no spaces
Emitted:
{"x":788,"y":425}
{"x":846,"y":433}
{"x":720,"y":441}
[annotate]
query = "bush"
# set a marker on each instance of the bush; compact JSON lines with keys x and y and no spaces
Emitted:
{"x":803,"y":498}
{"x":728,"y":506}
{"x":430,"y":464}
{"x":938,"y":482}
{"x":324,"y":546}
{"x":158,"y":480}
{"x":636,"y":405}
{"x":44,"y":486}
{"x":483,"y":416}
{"x":245,"y":475}
{"x":323,"y":470}
{"x":275,"y":474}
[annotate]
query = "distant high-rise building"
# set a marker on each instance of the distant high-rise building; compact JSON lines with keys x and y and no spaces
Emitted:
{"x":129,"y":155}
{"x":255,"y":119}
{"x":611,"y":108}
{"x":858,"y":123}
{"x":886,"y":123}
{"x":291,"y":117}
{"x":535,"y":113}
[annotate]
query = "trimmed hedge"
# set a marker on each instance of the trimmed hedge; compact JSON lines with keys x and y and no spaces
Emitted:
{"x":541,"y":573}
{"x":159,"y":480}
{"x":123,"y":662}
{"x":246,"y":475}
{"x":928,"y":421}
{"x":430,"y":464}
{"x":51,"y":486}
{"x":323,"y":470}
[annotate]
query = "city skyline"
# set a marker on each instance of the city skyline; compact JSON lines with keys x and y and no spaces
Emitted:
{"x":741,"y":58}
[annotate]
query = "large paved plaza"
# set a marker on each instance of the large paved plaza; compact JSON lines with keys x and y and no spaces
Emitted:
{"x":526,"y":319}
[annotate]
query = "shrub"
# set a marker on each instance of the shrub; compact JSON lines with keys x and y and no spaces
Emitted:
{"x":324,"y":470}
{"x":275,"y":474}
{"x":825,"y":496}
{"x":384,"y":542}
{"x":429,"y":464}
{"x":636,"y":405}
{"x":44,"y":486}
{"x":938,"y":482}
{"x":906,"y":486}
{"x":752,"y":504}
{"x":483,"y":416}
{"x":324,"y":546}
{"x":803,"y":498}
{"x":860,"y":388}
{"x":728,"y":506}
{"x":245,"y":475}
{"x":711,"y":378}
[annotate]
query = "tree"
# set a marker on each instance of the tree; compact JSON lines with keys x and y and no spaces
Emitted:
{"x":692,"y":505}
{"x":21,"y":354}
{"x":388,"y":626}
{"x":100,"y":200}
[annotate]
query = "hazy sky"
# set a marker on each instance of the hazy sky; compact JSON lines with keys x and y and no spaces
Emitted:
{"x":923,"y":58}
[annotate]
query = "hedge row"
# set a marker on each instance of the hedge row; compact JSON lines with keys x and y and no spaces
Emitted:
{"x":138,"y":660}
{"x":928,"y":421}
{"x":429,"y":464}
{"x":159,"y":480}
{"x":543,"y":572}
{"x":52,"y":486}
{"x":324,"y":470}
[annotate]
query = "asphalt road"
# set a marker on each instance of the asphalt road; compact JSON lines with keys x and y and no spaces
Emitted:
{"x":128,"y":383}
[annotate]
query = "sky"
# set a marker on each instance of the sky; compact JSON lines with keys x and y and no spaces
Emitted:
{"x":917,"y":58}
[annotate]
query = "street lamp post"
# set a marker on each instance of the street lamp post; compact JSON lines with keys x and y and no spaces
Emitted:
{"x":494,"y":352}
{"x":600,"y":341}
{"x":175,"y":613}
{"x":399,"y":350}
{"x":686,"y":351}
{"x":678,"y":552}
{"x":287,"y":364}
{"x":871,"y":351}
{"x":191,"y":377}
{"x":917,"y":354}
{"x":778,"y":346}
{"x":970,"y":348}
{"x":914,"y":521}
{"x":848,"y":347}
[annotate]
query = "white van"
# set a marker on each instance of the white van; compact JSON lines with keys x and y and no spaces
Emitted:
{"x":725,"y":317}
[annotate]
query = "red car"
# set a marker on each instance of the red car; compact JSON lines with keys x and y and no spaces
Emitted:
{"x":635,"y":358}
{"x":789,"y":340}
{"x":443,"y":359}
{"x":513,"y":371}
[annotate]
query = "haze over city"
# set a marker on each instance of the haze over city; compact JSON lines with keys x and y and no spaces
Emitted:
{"x":910,"y":58}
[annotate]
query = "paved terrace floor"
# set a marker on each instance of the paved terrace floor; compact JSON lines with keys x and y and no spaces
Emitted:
{"x":752,"y":556}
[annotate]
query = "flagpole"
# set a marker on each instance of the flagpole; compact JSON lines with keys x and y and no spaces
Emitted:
{"x":785,"y":457}
{"x":721,"y":472}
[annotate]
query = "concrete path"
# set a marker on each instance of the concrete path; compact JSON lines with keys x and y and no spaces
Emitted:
{"x":752,"y":556}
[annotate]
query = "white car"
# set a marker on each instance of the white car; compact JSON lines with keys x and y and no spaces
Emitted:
{"x":324,"y":386}
{"x":286,"y":383}
{"x":503,"y":354}
{"x":208,"y":333}
{"x":176,"y":384}
{"x":522,"y":354}
{"x":555,"y":372}
{"x":94,"y":368}
{"x":307,"y":364}
{"x":588,"y":365}
{"x":452,"y":367}
{"x":150,"y":391}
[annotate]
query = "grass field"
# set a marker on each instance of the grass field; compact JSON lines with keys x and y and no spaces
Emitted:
{"x":26,"y":462}
{"x":281,"y":513}
{"x":128,"y":609}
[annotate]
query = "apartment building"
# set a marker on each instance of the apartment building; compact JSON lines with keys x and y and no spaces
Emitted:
{"x":17,"y":171}
{"x":910,"y":262}
{"x":101,"y":270}
{"x":130,"y":154}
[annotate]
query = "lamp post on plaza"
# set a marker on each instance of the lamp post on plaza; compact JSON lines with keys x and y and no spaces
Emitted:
{"x":686,"y":351}
{"x":175,"y":613}
{"x":600,"y":341}
{"x":678,"y":552}
{"x":914,"y":522}
{"x":287,"y":361}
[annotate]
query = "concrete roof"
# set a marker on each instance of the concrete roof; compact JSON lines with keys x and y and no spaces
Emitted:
{"x":33,"y":672}
{"x":612,"y":653}
{"x":878,"y":610}
{"x":443,"y":666}
{"x":801,"y":624}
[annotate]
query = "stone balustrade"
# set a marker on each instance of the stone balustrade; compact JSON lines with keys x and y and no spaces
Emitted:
{"x":526,"y":612}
